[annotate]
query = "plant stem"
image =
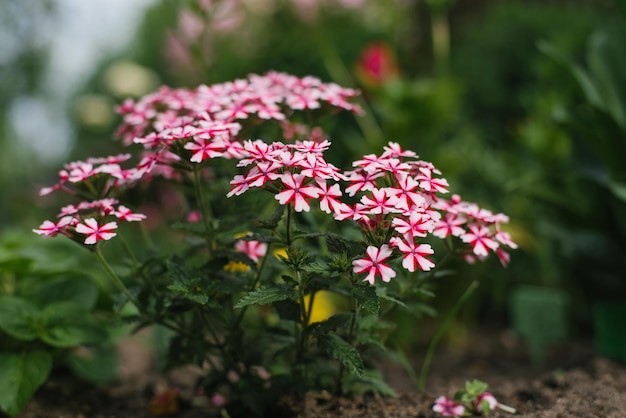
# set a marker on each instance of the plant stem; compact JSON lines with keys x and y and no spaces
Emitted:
{"x":145,"y":235}
{"x":288,"y":227}
{"x":207,"y":215}
{"x":342,"y":368}
{"x":128,"y":251}
{"x":440,"y":332}
{"x":304,"y":315}
{"x":118,"y":282}
{"x":253,"y":285}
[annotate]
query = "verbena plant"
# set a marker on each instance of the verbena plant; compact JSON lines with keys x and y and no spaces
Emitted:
{"x":267,"y":227}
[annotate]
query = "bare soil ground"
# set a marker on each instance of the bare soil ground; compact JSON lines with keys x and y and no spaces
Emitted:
{"x":572,"y":383}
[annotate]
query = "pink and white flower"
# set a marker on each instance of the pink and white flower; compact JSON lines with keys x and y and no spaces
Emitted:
{"x":374,"y":264}
{"x":486,"y":397}
{"x":96,"y":232}
{"x":480,"y":238}
{"x":414,"y":254}
{"x":253,"y":249}
{"x":296,"y":192}
{"x":448,"y":408}
{"x":127,"y":215}
{"x":51,"y":229}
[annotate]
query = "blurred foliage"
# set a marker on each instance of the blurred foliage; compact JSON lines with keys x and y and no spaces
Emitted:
{"x":22,"y":57}
{"x":596,"y":124}
{"x":48,"y":309}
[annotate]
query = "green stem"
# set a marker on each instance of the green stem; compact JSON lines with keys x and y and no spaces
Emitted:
{"x":440,"y":332}
{"x":351,"y":330}
{"x":336,"y":68}
{"x":253,"y":286}
{"x":304,"y":324}
{"x":207,"y":215}
{"x":309,"y":309}
{"x":118,"y":282}
{"x":288,"y":227}
{"x":128,"y":251}
{"x":145,"y":235}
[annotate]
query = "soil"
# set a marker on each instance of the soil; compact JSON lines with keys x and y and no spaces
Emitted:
{"x":573,"y":382}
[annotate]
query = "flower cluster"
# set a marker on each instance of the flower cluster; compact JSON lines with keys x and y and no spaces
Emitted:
{"x":79,"y":177}
{"x":206,"y":121}
{"x":88,"y":220}
{"x":394,"y":197}
{"x":174,"y":126}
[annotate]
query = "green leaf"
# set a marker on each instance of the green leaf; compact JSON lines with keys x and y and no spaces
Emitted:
{"x":186,"y":281}
{"x":80,"y":292}
{"x":367,"y":298}
{"x":341,"y":350}
{"x":20,"y":376}
{"x":65,"y":326}
{"x":331,"y":324}
{"x":372,"y":381}
{"x":419,"y":309}
{"x":264,"y":295}
{"x":321,"y":268}
{"x":18,"y":317}
{"x":475,"y":388}
{"x":391,"y":299}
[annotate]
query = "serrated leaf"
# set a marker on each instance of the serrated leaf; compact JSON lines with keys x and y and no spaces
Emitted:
{"x":18,"y":317}
{"x":336,"y":244}
{"x":264,"y":295}
{"x":186,"y":280}
{"x":338,"y":320}
{"x":20,"y":376}
{"x":367,"y":298}
{"x":318,"y":267}
{"x":340,"y":349}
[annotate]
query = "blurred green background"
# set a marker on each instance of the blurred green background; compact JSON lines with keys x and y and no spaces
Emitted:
{"x":521,"y":105}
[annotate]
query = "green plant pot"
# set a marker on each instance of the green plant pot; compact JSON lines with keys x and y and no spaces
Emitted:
{"x":539,"y":316}
{"x":609,"y":320}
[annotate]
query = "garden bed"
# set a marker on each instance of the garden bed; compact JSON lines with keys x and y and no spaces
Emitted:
{"x":573,"y":383}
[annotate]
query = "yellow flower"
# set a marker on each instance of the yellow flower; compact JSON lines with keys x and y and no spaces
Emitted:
{"x":282,"y":252}
{"x":324,"y":306}
{"x":236,"y":267}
